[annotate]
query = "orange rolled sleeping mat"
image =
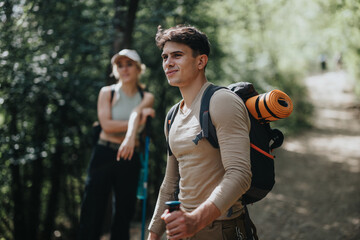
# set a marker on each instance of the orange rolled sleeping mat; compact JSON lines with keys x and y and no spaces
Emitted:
{"x":270,"y":106}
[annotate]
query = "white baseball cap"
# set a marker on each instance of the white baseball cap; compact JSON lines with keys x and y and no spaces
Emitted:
{"x":132,"y":54}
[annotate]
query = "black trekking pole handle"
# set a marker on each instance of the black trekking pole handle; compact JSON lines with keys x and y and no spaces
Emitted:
{"x":173,"y":206}
{"x":148,"y":126}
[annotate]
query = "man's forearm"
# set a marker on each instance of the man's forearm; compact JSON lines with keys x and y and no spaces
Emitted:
{"x":153,"y":236}
{"x":205,"y":214}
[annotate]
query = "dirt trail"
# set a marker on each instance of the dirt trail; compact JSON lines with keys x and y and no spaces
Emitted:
{"x":317,"y":191}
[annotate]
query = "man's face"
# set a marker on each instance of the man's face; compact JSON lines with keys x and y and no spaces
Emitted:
{"x":179,"y":65}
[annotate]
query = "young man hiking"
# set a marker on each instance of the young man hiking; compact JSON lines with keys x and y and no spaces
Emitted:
{"x":210,"y":180}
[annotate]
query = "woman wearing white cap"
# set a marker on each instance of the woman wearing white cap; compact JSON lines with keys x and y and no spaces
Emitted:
{"x":115,"y":164}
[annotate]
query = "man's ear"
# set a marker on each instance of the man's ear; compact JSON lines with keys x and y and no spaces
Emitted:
{"x":202,"y":61}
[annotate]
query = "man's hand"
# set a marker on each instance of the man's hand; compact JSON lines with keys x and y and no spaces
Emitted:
{"x":153,"y":236}
{"x":179,"y":224}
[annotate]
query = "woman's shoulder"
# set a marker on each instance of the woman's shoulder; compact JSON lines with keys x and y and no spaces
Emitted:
{"x":106,"y":92}
{"x":109,"y":88}
{"x":148,"y":94}
{"x":104,"y":88}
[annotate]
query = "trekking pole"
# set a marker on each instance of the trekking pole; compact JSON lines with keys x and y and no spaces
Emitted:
{"x":173,"y":206}
{"x":145,"y":183}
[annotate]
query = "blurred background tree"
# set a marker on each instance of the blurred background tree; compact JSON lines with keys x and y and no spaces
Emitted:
{"x":55,"y":57}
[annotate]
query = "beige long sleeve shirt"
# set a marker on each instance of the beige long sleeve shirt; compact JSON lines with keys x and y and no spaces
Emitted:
{"x":221,"y":175}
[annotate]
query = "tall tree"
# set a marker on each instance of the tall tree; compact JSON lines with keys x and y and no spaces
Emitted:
{"x":123,"y":28}
{"x":49,"y":82}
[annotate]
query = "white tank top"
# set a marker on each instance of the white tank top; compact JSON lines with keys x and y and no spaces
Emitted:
{"x":124,"y":105}
{"x":122,"y":109}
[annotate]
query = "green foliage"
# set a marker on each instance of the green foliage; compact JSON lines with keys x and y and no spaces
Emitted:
{"x":347,"y":20}
{"x":54,"y":62}
{"x":276,"y":44}
{"x":50,"y":76}
{"x":260,"y":49}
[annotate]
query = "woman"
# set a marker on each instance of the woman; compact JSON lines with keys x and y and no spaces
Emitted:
{"x":115,"y":164}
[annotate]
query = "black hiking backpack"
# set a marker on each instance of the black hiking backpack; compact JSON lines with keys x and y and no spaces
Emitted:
{"x":263,"y":140}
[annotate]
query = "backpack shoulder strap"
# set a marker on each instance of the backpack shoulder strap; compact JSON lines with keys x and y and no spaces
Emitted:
{"x":169,"y":121}
{"x":207,"y":128}
{"x":141,"y":91}
{"x":112,"y":92}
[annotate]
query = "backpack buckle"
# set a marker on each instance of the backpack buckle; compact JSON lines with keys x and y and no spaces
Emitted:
{"x":278,"y":137}
{"x":198,"y":137}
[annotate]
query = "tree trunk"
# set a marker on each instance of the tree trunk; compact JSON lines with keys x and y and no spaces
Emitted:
{"x":55,"y":179}
{"x":123,"y":23}
{"x":33,"y":209}
{"x":37,"y":175}
{"x":119,"y":23}
{"x":17,"y":187}
{"x":53,"y":201}
{"x":19,"y":230}
{"x":130,"y":22}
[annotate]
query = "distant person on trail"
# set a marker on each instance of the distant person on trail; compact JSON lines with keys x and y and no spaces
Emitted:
{"x":339,"y":61}
{"x":114,"y":166}
{"x":212,"y":180}
{"x":323,"y":62}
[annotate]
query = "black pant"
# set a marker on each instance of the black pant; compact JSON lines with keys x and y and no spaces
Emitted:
{"x":106,"y":174}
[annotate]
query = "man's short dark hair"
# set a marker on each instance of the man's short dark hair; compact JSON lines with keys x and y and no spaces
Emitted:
{"x":187,"y":35}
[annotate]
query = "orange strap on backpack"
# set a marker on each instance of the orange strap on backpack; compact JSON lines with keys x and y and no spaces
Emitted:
{"x":262,"y":151}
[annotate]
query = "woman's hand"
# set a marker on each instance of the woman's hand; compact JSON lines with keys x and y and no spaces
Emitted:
{"x":126,"y":149}
{"x":146,"y":112}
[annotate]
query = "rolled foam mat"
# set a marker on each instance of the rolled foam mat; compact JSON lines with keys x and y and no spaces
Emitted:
{"x":270,"y":106}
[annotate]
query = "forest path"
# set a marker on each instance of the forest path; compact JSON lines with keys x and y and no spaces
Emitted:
{"x":317,"y":190}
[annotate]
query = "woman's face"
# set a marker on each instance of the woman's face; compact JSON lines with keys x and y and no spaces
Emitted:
{"x":126,"y":70}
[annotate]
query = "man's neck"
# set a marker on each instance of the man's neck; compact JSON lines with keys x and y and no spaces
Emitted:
{"x":190,"y":92}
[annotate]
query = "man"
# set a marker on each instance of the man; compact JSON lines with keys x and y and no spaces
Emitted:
{"x":212,"y":180}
